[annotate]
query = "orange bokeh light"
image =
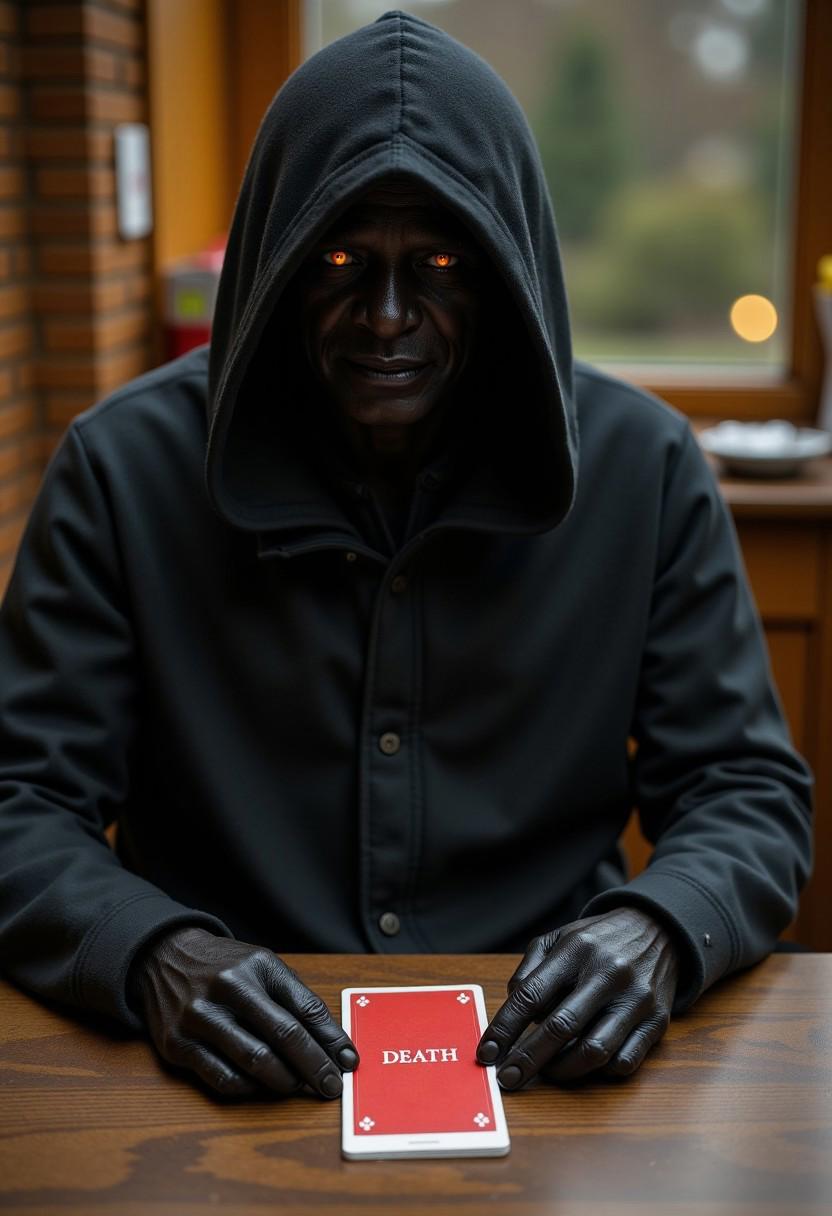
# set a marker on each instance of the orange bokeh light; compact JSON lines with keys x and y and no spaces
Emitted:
{"x":753,"y":318}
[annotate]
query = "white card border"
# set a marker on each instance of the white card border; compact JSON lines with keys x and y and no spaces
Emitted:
{"x":495,"y":1143}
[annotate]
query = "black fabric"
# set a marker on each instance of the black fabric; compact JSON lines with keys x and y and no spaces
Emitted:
{"x":201,"y":639}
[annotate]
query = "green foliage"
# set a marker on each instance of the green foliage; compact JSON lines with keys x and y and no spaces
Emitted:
{"x":669,"y":253}
{"x":580,"y":132}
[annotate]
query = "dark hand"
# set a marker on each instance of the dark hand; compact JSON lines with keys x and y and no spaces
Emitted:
{"x":601,"y":990}
{"x":238,"y":1017}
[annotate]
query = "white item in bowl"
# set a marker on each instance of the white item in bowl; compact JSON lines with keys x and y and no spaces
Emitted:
{"x":765,"y":449}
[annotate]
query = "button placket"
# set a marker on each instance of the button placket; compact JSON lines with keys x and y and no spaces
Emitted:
{"x":390,"y":775}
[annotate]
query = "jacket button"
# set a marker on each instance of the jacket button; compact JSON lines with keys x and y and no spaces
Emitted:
{"x":389,"y":923}
{"x":389,"y":743}
{"x":351,"y":557}
{"x":399,"y":584}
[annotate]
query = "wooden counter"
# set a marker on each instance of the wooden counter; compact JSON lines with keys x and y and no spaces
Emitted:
{"x":730,"y":1115}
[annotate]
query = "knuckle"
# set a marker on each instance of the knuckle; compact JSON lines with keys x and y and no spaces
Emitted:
{"x":262,"y":960}
{"x":196,"y":1012}
{"x":523,"y":1060}
{"x":661,"y":1020}
{"x":619,"y":969}
{"x":595,"y":1051}
{"x":583,"y":941}
{"x":220,"y":1080}
{"x":229,"y":1084}
{"x":289,"y":1034}
{"x":561,"y":1025}
{"x":625,"y":1065}
{"x":257,"y":1058}
{"x":227,"y":980}
{"x":527,"y":997}
{"x":311,"y":1008}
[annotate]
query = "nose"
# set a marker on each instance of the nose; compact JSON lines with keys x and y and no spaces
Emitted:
{"x":387,"y":302}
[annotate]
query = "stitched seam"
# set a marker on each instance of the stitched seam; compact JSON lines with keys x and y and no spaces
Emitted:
{"x":715,"y":904}
{"x":95,"y":933}
{"x":397,"y":128}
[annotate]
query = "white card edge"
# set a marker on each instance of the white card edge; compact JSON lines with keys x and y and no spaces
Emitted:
{"x":496,"y":1143}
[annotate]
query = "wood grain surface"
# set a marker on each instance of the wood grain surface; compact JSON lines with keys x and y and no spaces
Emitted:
{"x":731,"y":1114}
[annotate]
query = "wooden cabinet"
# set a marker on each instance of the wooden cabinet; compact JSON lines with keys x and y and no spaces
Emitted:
{"x":785,"y":532}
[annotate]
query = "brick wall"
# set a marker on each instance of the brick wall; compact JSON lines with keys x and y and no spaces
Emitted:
{"x":75,"y":302}
{"x":20,"y":453}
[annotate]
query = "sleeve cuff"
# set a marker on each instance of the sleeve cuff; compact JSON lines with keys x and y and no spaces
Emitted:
{"x":100,"y":979}
{"x":702,"y":928}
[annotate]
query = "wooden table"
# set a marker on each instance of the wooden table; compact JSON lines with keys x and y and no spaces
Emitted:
{"x":732,"y":1113}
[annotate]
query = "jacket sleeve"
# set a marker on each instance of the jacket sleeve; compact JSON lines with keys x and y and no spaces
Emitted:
{"x":71,"y":916}
{"x":720,"y":791}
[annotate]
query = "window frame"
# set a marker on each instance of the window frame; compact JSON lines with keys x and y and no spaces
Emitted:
{"x":795,"y":393}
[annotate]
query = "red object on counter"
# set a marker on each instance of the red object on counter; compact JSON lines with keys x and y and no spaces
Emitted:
{"x":190,"y":295}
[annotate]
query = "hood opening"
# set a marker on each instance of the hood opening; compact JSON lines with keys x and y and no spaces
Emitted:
{"x":409,"y":111}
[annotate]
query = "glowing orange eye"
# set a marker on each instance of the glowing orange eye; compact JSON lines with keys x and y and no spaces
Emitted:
{"x":444,"y":260}
{"x":338,"y":257}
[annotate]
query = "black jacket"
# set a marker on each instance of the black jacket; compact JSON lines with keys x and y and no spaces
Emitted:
{"x":215,"y":653}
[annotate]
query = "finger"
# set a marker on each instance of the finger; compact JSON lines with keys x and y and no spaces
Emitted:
{"x":312,"y":1013}
{"x":529,"y":1001}
{"x":632,"y":1052}
{"x":291,"y":1042}
{"x":215,"y":1072}
{"x":249,"y":1055}
{"x":564,"y":1023}
{"x":597,"y":1046}
{"x":534,"y":956}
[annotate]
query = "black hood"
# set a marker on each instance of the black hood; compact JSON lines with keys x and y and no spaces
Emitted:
{"x":395,"y":97}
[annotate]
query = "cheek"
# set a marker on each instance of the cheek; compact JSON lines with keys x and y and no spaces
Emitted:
{"x":319,"y":320}
{"x":459,"y":326}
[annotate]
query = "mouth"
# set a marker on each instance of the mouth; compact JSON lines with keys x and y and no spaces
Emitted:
{"x":388,"y":371}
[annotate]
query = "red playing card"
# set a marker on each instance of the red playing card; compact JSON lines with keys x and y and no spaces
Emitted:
{"x":419,"y":1075}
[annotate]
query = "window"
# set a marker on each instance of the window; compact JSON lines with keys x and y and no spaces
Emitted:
{"x":681,"y":139}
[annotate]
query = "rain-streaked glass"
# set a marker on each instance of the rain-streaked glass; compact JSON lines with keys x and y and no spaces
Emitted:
{"x":667,"y":130}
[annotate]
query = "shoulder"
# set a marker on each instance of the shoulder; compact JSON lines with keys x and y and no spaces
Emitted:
{"x":627,"y":427}
{"x":606,"y":402}
{"x":163,"y":408}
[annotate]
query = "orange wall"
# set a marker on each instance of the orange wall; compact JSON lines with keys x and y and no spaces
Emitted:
{"x":190,"y":119}
{"x":214,"y":65}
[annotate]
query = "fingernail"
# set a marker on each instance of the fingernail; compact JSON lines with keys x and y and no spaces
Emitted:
{"x":508,"y":1077}
{"x":347,"y":1058}
{"x":331,"y":1085}
{"x":488,"y":1051}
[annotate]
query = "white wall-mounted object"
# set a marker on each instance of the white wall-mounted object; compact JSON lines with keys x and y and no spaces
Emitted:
{"x":133,"y":190}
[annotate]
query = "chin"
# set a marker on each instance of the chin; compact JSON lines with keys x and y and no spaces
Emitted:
{"x":386,"y":413}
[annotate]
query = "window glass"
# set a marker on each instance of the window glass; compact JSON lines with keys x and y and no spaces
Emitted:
{"x":667,"y":132}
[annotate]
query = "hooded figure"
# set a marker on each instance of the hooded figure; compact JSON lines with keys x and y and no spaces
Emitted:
{"x":335,"y":708}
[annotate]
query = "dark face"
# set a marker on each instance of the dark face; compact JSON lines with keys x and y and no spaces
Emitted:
{"x":388,"y":305}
